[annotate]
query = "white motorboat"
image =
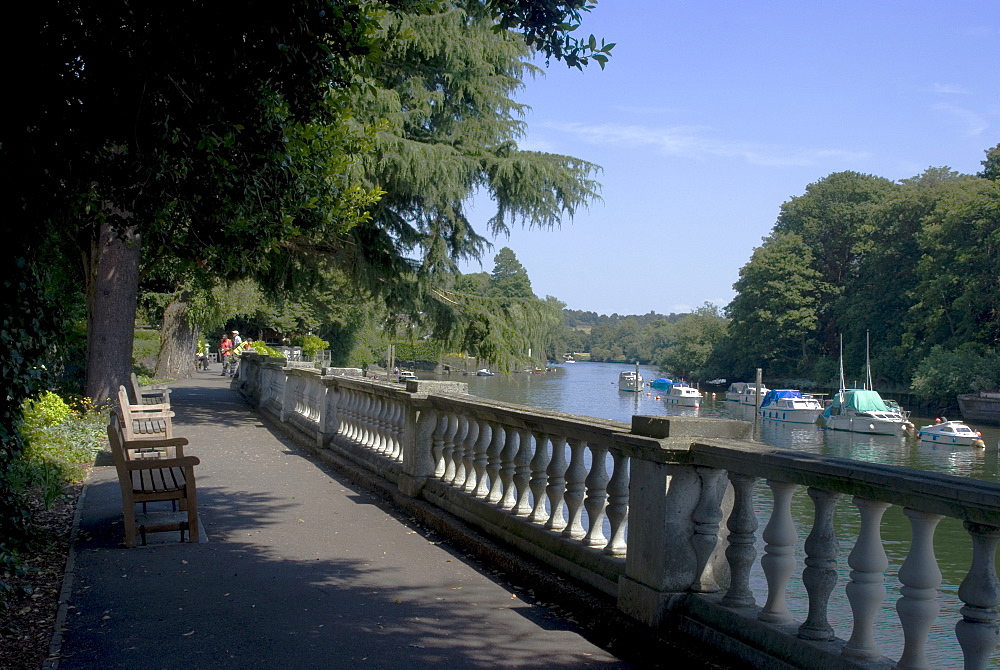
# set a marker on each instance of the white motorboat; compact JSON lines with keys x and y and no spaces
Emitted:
{"x":485,"y":372}
{"x":951,"y":432}
{"x":863,"y":411}
{"x":750,"y":396}
{"x":406,"y":376}
{"x":735,"y":391}
{"x":629,"y":380}
{"x":790,"y":406}
{"x":683,"y":395}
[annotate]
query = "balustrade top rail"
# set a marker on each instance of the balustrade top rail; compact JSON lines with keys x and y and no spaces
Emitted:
{"x":958,"y":497}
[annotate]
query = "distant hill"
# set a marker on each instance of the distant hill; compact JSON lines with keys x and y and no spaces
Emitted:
{"x":584,"y":320}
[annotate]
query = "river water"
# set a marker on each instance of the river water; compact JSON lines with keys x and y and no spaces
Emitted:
{"x":591,"y":389}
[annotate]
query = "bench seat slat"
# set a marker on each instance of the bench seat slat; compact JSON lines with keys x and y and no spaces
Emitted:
{"x":158,"y":480}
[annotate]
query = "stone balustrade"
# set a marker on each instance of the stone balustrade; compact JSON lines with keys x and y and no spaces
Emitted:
{"x":662,"y":515}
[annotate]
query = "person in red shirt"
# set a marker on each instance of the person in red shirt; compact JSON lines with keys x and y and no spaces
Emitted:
{"x":226,"y":348}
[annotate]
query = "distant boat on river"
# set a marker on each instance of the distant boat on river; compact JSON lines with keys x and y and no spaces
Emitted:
{"x":683,"y":395}
{"x":629,"y":380}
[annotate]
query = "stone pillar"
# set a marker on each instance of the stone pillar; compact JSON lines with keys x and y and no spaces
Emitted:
{"x":662,"y":563}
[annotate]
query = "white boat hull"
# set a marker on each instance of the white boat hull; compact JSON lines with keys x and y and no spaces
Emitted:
{"x":791,"y":415}
{"x":950,"y":433}
{"x":866,"y":424}
{"x":683,"y":401}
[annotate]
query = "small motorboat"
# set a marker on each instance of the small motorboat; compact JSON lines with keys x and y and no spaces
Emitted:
{"x":629,"y":380}
{"x":944,"y":431}
{"x":751,"y":397}
{"x":684,"y":395}
{"x":406,"y":376}
{"x":484,"y":373}
{"x":790,"y":406}
{"x":662,"y":383}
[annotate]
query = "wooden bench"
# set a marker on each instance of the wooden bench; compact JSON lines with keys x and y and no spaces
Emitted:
{"x":145,"y":478}
{"x":143,"y":421}
{"x":149,"y":395}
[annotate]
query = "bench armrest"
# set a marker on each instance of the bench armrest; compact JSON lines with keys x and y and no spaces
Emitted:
{"x":154,"y":443}
{"x":143,"y":416}
{"x":145,"y":409}
{"x":159,"y":463}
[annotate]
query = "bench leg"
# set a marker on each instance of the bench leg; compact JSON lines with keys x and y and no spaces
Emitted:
{"x":191,"y":503}
{"x":128,"y":515}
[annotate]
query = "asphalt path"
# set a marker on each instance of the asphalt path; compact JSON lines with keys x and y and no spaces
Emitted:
{"x":298,"y":568}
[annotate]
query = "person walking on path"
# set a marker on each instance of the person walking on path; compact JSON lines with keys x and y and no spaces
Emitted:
{"x":234,"y":354}
{"x":226,"y":348}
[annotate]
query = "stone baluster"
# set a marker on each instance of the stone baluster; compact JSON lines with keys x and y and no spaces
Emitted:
{"x":522,"y":472}
{"x":539,"y":479}
{"x":866,"y":590}
{"x":437,"y":443}
{"x":349,"y":405}
{"x":371,"y":422}
{"x":507,"y":467}
{"x":556,"y":488}
{"x":740,"y":552}
{"x":494,"y":464}
{"x":576,"y":475}
{"x":617,"y":509}
{"x":597,"y":496}
{"x":481,"y":459}
{"x":820,"y":573}
{"x":707,"y":516}
{"x":920,"y":577}
{"x":396,"y":415}
{"x":778,"y":560}
{"x":328,"y":419}
{"x":362,"y":418}
{"x":447,"y":448}
{"x":384,"y":426}
{"x":464,"y":473}
{"x":453,"y":454}
{"x":978,"y":632}
{"x":378,"y":425}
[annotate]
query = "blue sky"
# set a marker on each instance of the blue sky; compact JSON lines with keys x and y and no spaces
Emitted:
{"x":712,"y":114}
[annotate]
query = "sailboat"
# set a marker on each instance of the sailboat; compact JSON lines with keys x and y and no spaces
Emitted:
{"x":863,"y":410}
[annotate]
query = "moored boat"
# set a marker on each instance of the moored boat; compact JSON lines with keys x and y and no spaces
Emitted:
{"x":790,"y":406}
{"x":983,"y":406}
{"x":951,"y":432}
{"x":485,"y":372}
{"x":863,"y":411}
{"x":750,"y":396}
{"x":662,"y":384}
{"x":735,"y":391}
{"x":684,"y":395}
{"x":629,"y":380}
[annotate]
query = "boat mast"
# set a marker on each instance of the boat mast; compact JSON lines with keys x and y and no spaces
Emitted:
{"x":842,"y":385}
{"x":869,"y":386}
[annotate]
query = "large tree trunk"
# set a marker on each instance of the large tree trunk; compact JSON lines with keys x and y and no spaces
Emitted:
{"x":177,"y":341}
{"x":112,"y":290}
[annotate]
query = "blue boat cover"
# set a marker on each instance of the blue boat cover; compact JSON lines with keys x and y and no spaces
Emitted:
{"x":774,"y":394}
{"x":661,"y":383}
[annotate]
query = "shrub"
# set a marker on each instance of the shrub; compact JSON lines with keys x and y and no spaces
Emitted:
{"x":311,"y":344}
{"x":59,"y":437}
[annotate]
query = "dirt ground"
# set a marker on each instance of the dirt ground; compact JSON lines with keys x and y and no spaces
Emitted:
{"x":27,"y":623}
